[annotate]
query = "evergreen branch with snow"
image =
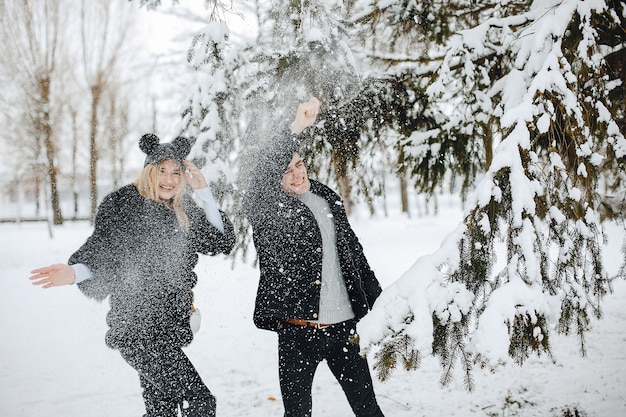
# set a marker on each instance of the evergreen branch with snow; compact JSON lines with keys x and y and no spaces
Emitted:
{"x":546,"y":111}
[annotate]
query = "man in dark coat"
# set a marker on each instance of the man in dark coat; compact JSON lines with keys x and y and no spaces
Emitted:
{"x":315,"y":282}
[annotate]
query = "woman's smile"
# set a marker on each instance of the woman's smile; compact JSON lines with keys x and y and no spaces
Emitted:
{"x":169,"y":179}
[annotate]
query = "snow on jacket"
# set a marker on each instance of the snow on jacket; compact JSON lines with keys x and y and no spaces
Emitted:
{"x":289,"y":244}
{"x":143,"y":261}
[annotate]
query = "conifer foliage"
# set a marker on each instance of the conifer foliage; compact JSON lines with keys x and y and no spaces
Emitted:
{"x":532,"y":95}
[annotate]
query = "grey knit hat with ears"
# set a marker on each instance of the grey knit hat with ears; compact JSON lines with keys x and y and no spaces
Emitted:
{"x":177,"y":149}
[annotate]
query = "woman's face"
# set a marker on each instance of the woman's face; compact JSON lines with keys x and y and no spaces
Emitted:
{"x":170,"y":178}
{"x":295,"y":179}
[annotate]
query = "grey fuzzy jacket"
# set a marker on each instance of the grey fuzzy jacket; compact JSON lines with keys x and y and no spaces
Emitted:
{"x":143,"y":261}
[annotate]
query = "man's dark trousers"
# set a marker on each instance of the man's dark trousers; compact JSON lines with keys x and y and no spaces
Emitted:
{"x":302,"y":348}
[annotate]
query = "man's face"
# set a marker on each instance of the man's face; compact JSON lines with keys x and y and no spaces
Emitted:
{"x":295,"y":179}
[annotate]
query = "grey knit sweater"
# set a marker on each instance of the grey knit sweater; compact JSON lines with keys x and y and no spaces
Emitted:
{"x":335,"y":304}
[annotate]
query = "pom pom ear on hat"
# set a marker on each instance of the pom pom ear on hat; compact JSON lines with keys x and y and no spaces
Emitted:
{"x":155,"y":152}
{"x":148,"y":143}
{"x":181,"y":147}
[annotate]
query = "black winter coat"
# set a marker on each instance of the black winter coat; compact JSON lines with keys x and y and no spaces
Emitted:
{"x":289,"y":244}
{"x":144,"y":262}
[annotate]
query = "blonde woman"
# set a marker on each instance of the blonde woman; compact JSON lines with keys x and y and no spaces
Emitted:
{"x":141,"y":254}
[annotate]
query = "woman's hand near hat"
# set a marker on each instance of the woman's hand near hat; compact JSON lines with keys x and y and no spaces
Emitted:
{"x":194,"y":177}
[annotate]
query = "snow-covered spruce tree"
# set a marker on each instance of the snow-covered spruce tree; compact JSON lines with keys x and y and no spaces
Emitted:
{"x":394,"y":105}
{"x":211,"y":118}
{"x":301,"y":51}
{"x":537,"y":86}
{"x":406,"y":49}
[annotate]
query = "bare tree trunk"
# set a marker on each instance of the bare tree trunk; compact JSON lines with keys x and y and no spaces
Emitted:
{"x":404,"y":194}
{"x":343,"y":181}
{"x":37,"y":196}
{"x":368,"y":196}
{"x":488,"y":145}
{"x":30,"y":33}
{"x":104,"y":27}
{"x":46,"y":129}
{"x":121,"y":134}
{"x":154,"y":116}
{"x":93,"y":149}
{"x":112,"y":137}
{"x":74,"y":151}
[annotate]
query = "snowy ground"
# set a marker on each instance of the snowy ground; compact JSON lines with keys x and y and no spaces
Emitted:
{"x":54,"y":361}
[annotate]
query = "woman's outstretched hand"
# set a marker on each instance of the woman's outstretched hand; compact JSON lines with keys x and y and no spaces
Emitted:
{"x":53,"y":276}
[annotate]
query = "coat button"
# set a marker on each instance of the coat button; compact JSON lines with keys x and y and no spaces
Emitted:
{"x":314,"y":315}
{"x":318,"y":250}
{"x":281,"y":270}
{"x":318,"y":282}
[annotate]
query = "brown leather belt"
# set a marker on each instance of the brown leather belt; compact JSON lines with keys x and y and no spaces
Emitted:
{"x":305,"y":323}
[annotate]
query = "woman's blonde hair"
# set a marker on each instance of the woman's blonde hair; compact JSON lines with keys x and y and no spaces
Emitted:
{"x":148,"y":186}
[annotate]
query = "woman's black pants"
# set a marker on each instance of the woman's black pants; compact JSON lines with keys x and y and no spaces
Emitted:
{"x":169,"y":382}
{"x":301,"y":349}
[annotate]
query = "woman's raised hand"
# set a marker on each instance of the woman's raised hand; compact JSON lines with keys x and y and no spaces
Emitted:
{"x":195,"y":178}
